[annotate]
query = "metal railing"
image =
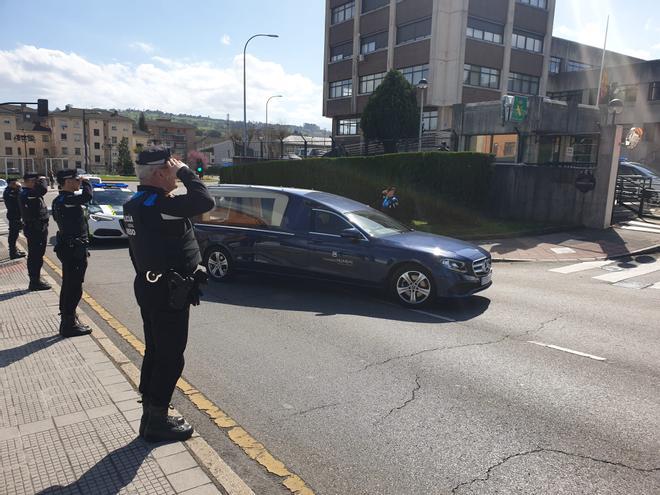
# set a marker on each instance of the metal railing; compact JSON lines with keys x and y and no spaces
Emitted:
{"x":638,"y":194}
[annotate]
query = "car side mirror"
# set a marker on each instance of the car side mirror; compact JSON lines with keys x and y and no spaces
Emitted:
{"x":351,"y":233}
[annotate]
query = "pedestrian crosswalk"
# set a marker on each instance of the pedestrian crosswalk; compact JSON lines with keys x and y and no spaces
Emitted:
{"x":640,"y":272}
{"x":640,"y":226}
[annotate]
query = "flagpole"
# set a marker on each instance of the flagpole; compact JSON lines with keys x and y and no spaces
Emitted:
{"x":602,"y":63}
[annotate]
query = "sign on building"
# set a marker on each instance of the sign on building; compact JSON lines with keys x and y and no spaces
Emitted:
{"x":519,"y":110}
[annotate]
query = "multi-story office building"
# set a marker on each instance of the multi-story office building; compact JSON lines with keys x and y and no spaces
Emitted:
{"x":179,"y":137}
{"x":469,"y":51}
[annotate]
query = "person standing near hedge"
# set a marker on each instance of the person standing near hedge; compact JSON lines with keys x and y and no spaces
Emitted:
{"x":390,"y":199}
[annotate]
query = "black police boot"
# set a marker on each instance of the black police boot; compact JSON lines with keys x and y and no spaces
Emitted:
{"x":171,"y":420}
{"x":69,"y":328}
{"x":82,"y":325}
{"x":16,"y":254}
{"x":157,"y":428}
{"x":38,"y":284}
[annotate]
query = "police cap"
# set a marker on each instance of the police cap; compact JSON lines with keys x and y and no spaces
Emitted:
{"x":154,"y":155}
{"x":63,"y":175}
{"x":31,"y":175}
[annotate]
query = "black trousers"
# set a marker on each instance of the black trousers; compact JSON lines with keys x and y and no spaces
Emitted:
{"x":74,"y":266}
{"x":36,"y":234}
{"x":165,"y":338}
{"x":15,"y":227}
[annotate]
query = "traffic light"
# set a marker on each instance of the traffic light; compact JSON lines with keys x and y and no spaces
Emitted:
{"x":42,"y":108}
{"x":200,"y":167}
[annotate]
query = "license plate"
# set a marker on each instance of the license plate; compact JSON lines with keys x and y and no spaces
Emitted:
{"x":486,"y":280}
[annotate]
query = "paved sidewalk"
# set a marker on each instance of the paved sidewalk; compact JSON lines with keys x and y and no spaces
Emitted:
{"x":579,"y":245}
{"x":68,"y":416}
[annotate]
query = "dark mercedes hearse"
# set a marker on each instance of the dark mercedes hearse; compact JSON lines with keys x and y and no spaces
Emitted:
{"x":325,"y":236}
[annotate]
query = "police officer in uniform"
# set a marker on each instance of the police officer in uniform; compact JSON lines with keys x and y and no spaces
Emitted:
{"x":10,"y":196}
{"x":35,"y":226}
{"x":71,"y":247}
{"x":167,"y":260}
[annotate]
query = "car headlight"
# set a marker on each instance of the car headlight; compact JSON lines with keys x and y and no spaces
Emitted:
{"x":99,"y":218}
{"x":455,"y":265}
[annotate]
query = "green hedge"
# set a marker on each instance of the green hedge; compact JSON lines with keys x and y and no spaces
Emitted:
{"x":430,"y":185}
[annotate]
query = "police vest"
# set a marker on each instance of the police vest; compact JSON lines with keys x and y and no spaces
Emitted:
{"x":70,"y":219}
{"x":33,"y":208}
{"x":158,"y":242}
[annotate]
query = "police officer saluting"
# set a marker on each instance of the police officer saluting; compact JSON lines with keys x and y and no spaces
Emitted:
{"x":167,"y":261}
{"x":35,"y":226}
{"x":11,"y":197}
{"x":71,"y":247}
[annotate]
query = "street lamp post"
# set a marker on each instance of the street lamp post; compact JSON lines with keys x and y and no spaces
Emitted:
{"x":244,"y":86}
{"x":421,"y":85}
{"x":267,"y":131}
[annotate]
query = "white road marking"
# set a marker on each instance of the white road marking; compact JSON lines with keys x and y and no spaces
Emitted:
{"x":571,"y":351}
{"x":433,"y":315}
{"x":632,"y":272}
{"x":640,"y":229}
{"x":562,"y":250}
{"x":578,"y":267}
{"x":648,"y":225}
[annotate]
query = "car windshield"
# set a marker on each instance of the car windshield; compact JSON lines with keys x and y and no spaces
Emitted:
{"x":111,"y":197}
{"x":375,"y":223}
{"x":2,"y":182}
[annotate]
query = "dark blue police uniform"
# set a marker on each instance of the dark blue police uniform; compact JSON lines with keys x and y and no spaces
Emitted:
{"x":35,"y":227}
{"x":11,"y":197}
{"x":71,"y":249}
{"x":167,"y":260}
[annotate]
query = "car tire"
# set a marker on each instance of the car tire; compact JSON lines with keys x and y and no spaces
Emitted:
{"x":219,"y":264}
{"x":412,"y":286}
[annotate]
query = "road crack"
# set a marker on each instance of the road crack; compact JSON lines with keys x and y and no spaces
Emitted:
{"x":541,"y":327}
{"x":486,"y":476}
{"x":417,"y":387}
{"x":317,"y":408}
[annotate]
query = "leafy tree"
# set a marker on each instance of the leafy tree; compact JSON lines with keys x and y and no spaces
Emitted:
{"x":142,"y":122}
{"x":391,"y":113}
{"x":125,"y":162}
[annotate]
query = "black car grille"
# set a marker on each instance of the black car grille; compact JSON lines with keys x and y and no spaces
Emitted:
{"x":107,"y":233}
{"x":481,"y":267}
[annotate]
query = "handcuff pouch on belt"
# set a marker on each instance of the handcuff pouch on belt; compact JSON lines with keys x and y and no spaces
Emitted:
{"x":181,"y":290}
{"x":78,"y":245}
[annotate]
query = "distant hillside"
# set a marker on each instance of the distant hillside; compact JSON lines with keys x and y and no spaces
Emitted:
{"x":206,"y":124}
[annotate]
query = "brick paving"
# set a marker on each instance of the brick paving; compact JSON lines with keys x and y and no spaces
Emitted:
{"x":68,"y":415}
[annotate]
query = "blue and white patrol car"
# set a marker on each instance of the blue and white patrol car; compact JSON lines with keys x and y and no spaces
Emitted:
{"x":106,"y":210}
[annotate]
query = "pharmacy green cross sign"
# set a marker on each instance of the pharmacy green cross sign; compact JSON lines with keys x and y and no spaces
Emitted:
{"x":519,"y":110}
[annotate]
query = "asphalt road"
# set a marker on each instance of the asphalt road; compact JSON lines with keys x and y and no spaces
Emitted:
{"x":360,"y":396}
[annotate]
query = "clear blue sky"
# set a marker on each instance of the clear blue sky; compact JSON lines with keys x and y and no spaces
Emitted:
{"x":181,"y":57}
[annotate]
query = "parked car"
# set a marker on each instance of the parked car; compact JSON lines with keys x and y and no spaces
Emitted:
{"x":290,"y":156}
{"x":325,"y":236}
{"x":3,"y":186}
{"x":106,"y":210}
{"x":627,"y":168}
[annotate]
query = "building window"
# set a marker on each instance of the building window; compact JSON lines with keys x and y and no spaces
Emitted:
{"x":46,"y":152}
{"x":343,"y":13}
{"x":114,"y":127}
{"x":654,"y":91}
{"x":63,"y":137}
{"x":430,"y":120}
{"x":341,"y":52}
{"x":114,"y":139}
{"x":78,"y":164}
{"x":31,"y":151}
{"x":484,"y":30}
{"x":347,"y":127}
{"x":97,"y":158}
{"x":566,"y":95}
{"x":369,"y":83}
{"x":474,"y":75}
{"x":503,"y":146}
{"x":627,"y":93}
{"x":9,"y":151}
{"x":65,"y":150}
{"x":555,"y":65}
{"x":97,"y":132}
{"x":77,"y":138}
{"x":526,"y":41}
{"x":97,"y":146}
{"x":65,"y":163}
{"x":7,"y":136}
{"x":341,"y":89}
{"x":373,"y":42}
{"x":413,"y":31}
{"x":541,"y":4}
{"x":369,"y":5}
{"x":76,"y":124}
{"x":415,"y":73}
{"x":6,"y":121}
{"x":522,"y":83}
{"x":63,"y":124}
{"x":575,"y":66}
{"x":76,"y":151}
{"x":45,"y":138}
{"x":19,"y":150}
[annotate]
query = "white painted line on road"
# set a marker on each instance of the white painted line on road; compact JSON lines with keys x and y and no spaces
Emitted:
{"x":433,"y":315}
{"x":648,"y":225}
{"x":640,"y":229}
{"x":632,"y":272}
{"x":578,"y":267}
{"x":562,"y":250}
{"x":571,"y":351}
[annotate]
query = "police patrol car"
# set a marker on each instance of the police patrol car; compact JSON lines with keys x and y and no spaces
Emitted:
{"x":106,"y":210}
